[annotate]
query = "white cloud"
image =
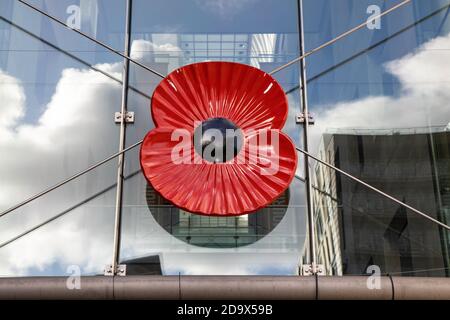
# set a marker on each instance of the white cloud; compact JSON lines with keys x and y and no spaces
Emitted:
{"x":422,"y":101}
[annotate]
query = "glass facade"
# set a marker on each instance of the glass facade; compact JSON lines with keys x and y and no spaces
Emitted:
{"x":378,"y":97}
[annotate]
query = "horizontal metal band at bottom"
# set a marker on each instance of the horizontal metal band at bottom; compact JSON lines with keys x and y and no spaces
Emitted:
{"x":225,"y":287}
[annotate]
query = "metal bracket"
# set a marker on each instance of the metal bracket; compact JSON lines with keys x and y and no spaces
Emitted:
{"x":128,"y":118}
{"x":300,"y":118}
{"x":121,"y":270}
{"x":309,"y":270}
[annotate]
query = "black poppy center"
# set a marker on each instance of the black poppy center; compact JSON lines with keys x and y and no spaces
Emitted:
{"x":217,"y":140}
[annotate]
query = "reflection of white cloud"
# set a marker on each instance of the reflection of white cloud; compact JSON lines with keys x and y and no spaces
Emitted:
{"x":422,"y":101}
{"x":74,"y":123}
{"x":143,"y":50}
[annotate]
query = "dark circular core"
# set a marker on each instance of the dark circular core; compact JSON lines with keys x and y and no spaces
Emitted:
{"x":218,"y":140}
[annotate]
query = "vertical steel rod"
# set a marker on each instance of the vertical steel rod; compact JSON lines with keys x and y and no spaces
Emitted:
{"x":304,"y":99}
{"x":120,"y":166}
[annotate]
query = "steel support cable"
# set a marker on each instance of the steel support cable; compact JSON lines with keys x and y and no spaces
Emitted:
{"x":91,"y":38}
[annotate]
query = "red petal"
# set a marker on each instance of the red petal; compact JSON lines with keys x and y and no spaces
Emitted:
{"x":228,"y":188}
{"x":243,"y":94}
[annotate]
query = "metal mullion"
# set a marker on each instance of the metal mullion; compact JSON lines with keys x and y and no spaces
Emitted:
{"x":122,"y":138}
{"x":307,"y":169}
{"x":26,"y":232}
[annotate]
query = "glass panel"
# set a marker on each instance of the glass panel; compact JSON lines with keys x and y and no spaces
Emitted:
{"x":267,"y":242}
{"x":358,"y":230}
{"x":59,"y":93}
{"x":380,"y":100}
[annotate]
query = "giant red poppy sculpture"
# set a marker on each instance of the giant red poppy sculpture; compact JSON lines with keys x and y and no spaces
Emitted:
{"x":217,"y":148}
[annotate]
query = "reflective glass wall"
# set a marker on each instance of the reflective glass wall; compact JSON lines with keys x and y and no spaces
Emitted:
{"x":378,"y":98}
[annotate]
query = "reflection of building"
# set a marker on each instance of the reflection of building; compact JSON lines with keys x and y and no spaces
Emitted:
{"x":213,"y":231}
{"x":356,"y":227}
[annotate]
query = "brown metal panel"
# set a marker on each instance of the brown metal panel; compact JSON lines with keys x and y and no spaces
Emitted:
{"x":224,"y":287}
{"x":147,"y":287}
{"x":353,"y":288}
{"x":41,"y":288}
{"x":248,"y":287}
{"x":421,"y":288}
